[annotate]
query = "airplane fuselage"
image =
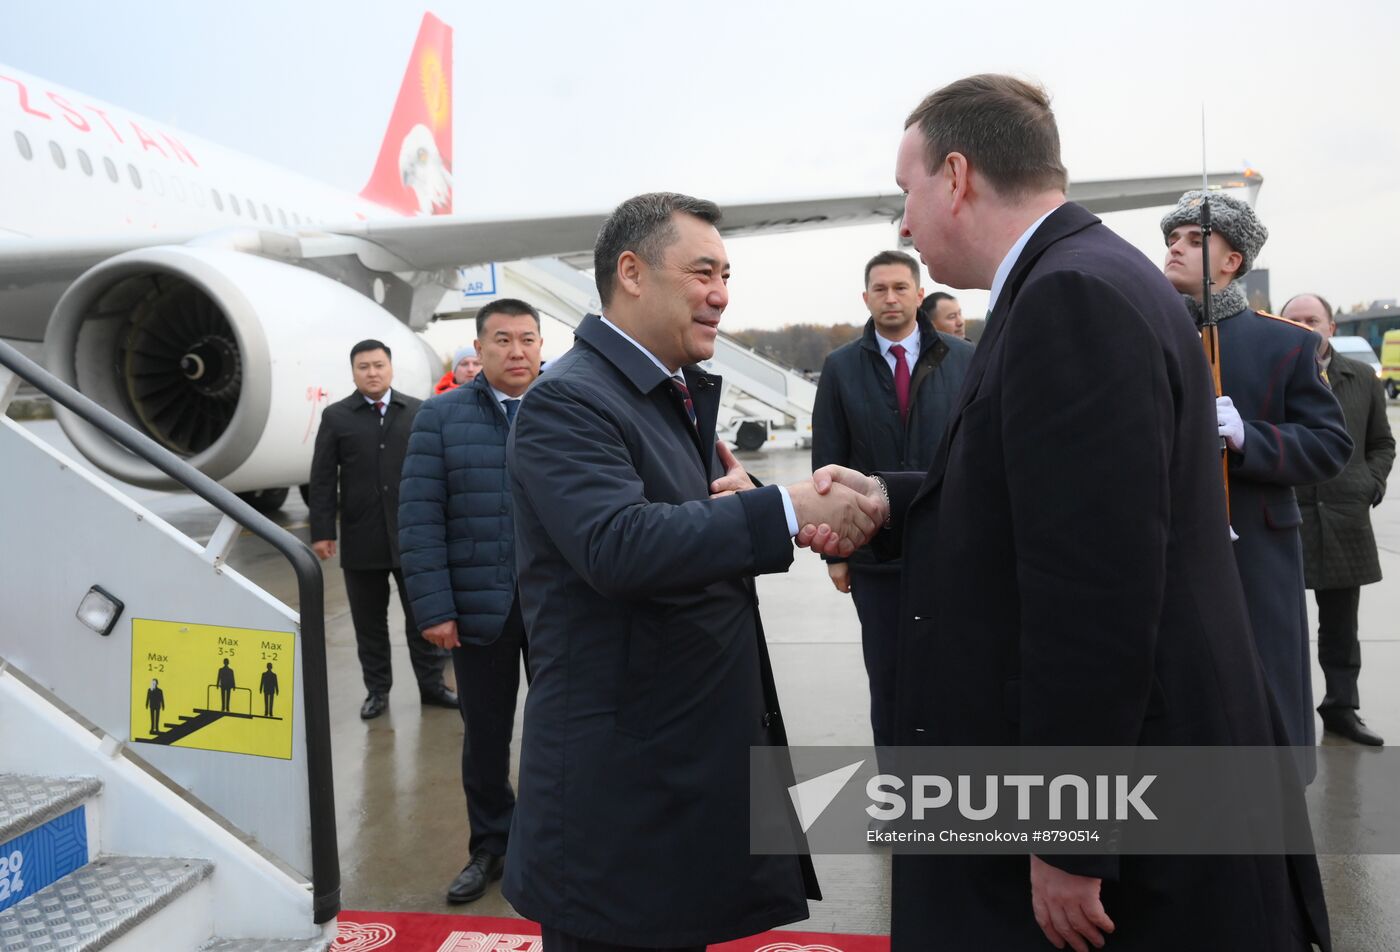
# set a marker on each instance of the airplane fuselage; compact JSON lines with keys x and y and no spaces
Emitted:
{"x":74,"y":166}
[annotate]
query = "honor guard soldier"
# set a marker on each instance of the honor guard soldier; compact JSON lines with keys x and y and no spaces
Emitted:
{"x":1282,"y":429}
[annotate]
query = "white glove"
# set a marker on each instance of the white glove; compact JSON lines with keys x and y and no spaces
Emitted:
{"x":1230,"y":422}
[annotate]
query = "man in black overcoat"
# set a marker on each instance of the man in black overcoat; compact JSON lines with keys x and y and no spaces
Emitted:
{"x":355,"y":471}
{"x":1339,"y":545}
{"x":1077,"y":500}
{"x":650,"y":674}
{"x":1283,"y":429}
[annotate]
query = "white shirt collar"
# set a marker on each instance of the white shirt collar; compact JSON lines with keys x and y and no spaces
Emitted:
{"x":502,"y":396}
{"x":1009,"y":261}
{"x":650,"y":356}
{"x":388,"y":395}
{"x":910,"y":343}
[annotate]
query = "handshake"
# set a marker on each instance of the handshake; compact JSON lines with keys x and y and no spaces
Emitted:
{"x":838,"y":510}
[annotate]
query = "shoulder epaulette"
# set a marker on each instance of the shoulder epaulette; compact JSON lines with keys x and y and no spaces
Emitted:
{"x":1275,"y":317}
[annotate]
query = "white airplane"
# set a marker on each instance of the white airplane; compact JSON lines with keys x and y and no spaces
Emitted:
{"x":209,"y":298}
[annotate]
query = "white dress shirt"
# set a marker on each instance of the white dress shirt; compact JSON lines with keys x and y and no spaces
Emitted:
{"x":1009,"y":262}
{"x":910,"y":345}
{"x":388,"y":395}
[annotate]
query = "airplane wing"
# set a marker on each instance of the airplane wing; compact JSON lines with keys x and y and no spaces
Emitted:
{"x":449,"y":241}
{"x":34,"y":272}
{"x":441,"y":241}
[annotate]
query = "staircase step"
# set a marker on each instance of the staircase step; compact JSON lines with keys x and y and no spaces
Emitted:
{"x":27,"y":802}
{"x":103,"y":900}
{"x":266,"y":945}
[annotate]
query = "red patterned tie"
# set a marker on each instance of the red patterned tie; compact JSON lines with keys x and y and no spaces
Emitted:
{"x":684,"y":392}
{"x":901,"y":381}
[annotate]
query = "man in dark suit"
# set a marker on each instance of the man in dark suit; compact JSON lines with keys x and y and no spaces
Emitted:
{"x":1339,"y":546}
{"x":883,"y":403}
{"x":355,"y":473}
{"x":1077,"y":499}
{"x":458,"y":542}
{"x":637,"y":537}
{"x":1283,"y":428}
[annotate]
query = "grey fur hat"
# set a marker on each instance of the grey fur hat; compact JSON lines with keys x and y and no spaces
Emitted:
{"x":1231,"y":217}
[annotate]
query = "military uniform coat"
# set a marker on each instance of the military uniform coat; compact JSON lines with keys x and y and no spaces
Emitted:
{"x":355,"y":472}
{"x":1294,"y":436}
{"x":650,"y":673}
{"x":1077,"y":501}
{"x":1339,"y":548}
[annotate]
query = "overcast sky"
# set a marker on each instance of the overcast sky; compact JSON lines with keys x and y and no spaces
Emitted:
{"x":570,"y":107}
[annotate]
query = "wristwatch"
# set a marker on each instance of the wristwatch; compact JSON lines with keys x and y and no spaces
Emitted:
{"x":885,"y":491}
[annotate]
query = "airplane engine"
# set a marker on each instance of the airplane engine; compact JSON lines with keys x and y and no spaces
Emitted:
{"x":225,"y":358}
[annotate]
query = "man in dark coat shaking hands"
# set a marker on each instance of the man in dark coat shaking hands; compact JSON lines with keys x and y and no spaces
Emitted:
{"x":637,"y":539}
{"x":1077,"y":498}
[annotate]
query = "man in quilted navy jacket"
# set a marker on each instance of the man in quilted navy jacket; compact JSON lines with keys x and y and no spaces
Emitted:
{"x":457,"y":539}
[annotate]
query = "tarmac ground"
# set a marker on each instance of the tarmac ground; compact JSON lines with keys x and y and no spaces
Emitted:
{"x":401,"y":813}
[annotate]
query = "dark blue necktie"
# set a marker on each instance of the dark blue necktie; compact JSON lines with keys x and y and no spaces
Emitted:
{"x":510,"y":406}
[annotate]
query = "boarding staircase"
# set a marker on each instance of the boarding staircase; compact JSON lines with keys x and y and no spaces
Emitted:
{"x":122,"y":826}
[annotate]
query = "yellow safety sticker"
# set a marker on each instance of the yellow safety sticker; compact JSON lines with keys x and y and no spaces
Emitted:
{"x":212,"y":688}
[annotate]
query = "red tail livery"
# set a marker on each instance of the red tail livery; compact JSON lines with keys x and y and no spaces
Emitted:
{"x":413,"y":173}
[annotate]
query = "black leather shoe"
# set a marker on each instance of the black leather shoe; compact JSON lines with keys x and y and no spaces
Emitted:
{"x":374,"y":705}
{"x":471,"y":882}
{"x":1349,"y":725}
{"x":440,"y":696}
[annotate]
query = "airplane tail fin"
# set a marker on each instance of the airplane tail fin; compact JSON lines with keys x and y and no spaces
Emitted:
{"x":413,"y":174}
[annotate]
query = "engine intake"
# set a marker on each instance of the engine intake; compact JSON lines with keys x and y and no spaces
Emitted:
{"x":223,"y":357}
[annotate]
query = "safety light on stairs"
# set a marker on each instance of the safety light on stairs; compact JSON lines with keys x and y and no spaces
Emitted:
{"x":99,"y":610}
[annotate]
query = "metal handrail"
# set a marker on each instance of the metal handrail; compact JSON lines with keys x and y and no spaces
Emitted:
{"x":325,"y":852}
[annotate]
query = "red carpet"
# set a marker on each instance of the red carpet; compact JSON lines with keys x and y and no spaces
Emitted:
{"x":430,"y":932}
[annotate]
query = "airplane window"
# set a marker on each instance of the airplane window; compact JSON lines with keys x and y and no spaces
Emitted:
{"x":233,"y":200}
{"x":218,"y":201}
{"x":111,"y":168}
{"x":135,"y":175}
{"x":197,"y":194}
{"x":296,"y":218}
{"x":252,"y":210}
{"x":85,"y":162}
{"x":282,"y":217}
{"x":157,"y":183}
{"x":22,"y":142}
{"x":59,"y":159}
{"x":178,"y":188}
{"x":267,"y":213}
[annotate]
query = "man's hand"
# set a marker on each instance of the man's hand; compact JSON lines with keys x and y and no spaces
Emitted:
{"x":1067,"y":907}
{"x":821,"y":538}
{"x":324,"y":548}
{"x":443,"y":634}
{"x":1230,"y":423}
{"x":735,"y":479}
{"x":840,"y":573}
{"x":842,"y":518}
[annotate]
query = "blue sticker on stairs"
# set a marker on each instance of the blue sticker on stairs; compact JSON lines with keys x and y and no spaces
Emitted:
{"x":44,"y":855}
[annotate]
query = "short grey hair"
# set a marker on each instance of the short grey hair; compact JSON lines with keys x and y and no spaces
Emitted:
{"x":644,"y":226}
